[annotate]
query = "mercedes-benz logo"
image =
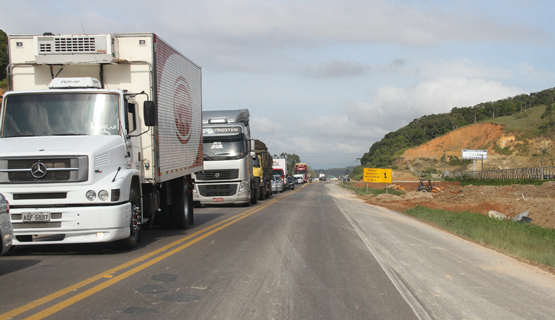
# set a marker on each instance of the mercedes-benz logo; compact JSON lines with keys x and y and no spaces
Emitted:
{"x":217,"y":175}
{"x":38,"y":170}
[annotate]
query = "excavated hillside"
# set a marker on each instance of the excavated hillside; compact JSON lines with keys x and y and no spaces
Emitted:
{"x":519,"y":153}
{"x":509,"y":200}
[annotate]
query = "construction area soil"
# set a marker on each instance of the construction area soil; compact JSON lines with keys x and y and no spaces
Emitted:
{"x":509,"y":200}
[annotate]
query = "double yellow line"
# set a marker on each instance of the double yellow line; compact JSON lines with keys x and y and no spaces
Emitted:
{"x":113,"y":278}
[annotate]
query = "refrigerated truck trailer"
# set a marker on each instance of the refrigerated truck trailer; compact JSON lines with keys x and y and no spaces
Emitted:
{"x":99,"y":136}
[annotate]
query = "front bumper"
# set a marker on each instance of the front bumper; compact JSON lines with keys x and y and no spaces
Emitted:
{"x":73,"y":225}
{"x":220,"y":193}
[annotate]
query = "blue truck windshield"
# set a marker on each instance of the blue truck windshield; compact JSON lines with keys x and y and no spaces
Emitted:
{"x":52,"y":114}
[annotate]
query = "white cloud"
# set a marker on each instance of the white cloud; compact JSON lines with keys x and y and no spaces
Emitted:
{"x":392,"y":107}
{"x":265,"y":126}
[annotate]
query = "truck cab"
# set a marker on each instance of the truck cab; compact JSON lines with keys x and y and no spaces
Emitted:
{"x":228,"y":153}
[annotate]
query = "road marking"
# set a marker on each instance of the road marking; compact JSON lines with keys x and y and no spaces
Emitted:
{"x":116,"y":278}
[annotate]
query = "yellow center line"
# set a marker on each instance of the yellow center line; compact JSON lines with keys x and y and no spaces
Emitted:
{"x":215,"y":228}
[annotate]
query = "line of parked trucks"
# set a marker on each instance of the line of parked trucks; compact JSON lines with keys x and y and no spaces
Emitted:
{"x":103,"y":134}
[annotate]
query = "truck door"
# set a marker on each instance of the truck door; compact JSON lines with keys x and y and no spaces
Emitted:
{"x":133,"y":139}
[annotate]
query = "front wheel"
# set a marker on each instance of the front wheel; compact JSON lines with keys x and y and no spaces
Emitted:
{"x":254,"y":193}
{"x":134,"y":225}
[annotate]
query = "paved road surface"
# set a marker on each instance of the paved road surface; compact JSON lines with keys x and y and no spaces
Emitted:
{"x":312,"y":253}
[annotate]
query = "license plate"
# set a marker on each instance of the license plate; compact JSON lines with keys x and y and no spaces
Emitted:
{"x":218,"y":199}
{"x":36,"y":216}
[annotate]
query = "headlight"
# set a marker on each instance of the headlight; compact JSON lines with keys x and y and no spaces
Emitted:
{"x":91,"y":195}
{"x":242,"y":186}
{"x":103,"y":195}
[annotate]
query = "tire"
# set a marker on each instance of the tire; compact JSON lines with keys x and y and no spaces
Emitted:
{"x":254,"y":193}
{"x":135,"y":228}
{"x":181,"y":207}
{"x":197,"y":204}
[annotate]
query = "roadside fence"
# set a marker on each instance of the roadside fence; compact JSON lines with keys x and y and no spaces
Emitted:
{"x":521,"y":173}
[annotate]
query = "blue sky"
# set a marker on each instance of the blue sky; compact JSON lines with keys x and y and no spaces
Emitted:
{"x":327,"y":79}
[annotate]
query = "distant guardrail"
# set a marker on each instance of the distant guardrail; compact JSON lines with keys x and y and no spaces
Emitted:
{"x":521,"y":173}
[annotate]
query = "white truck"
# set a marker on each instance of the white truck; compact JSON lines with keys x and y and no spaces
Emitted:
{"x":280,"y":168}
{"x":229,"y":153}
{"x":99,"y":135}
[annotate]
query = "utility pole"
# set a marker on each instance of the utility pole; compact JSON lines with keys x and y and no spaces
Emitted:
{"x":541,"y":171}
{"x":444,"y":160}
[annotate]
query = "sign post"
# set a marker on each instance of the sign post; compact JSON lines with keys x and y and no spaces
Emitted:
{"x":474,"y":155}
{"x":377,"y":176}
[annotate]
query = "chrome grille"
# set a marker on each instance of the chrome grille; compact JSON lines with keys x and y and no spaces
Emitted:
{"x":218,"y":174}
{"x":217,"y":190}
{"x":52,"y":170}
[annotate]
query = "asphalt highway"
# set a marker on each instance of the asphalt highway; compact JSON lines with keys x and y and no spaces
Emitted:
{"x":312,"y":253}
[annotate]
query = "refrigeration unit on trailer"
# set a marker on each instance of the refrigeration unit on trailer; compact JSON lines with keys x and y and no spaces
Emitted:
{"x":99,"y":135}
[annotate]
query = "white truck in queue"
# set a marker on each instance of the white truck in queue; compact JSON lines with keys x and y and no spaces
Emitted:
{"x":99,"y":135}
{"x":280,"y":168}
{"x":229,"y":153}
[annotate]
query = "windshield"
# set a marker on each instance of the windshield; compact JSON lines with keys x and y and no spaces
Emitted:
{"x":224,"y":148}
{"x":51,"y":114}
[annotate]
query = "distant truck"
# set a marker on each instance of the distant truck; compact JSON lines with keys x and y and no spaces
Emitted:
{"x":228,"y":160}
{"x":322,"y":177}
{"x":280,"y":168}
{"x":262,"y":170}
{"x":301,"y":168}
{"x":99,"y":136}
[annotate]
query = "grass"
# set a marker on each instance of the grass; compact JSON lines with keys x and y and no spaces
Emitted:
{"x":522,"y":123}
{"x":363,"y":191}
{"x":520,"y":240}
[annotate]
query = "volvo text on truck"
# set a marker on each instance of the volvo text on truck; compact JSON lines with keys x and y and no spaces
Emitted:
{"x":99,"y":135}
{"x":228,"y":159}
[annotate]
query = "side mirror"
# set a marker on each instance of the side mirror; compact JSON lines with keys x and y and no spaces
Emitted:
{"x":252,"y":153}
{"x":149,"y":112}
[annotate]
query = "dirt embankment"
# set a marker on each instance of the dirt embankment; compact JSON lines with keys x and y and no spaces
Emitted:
{"x":469,"y":137}
{"x":509,"y":200}
{"x":484,"y":136}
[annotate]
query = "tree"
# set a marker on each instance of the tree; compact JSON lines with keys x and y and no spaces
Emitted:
{"x":290,"y":160}
{"x":3,"y":56}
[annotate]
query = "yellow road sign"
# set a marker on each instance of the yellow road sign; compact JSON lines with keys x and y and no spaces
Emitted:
{"x":377,"y":175}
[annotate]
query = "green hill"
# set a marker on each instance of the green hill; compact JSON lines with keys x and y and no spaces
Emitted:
{"x":529,"y":115}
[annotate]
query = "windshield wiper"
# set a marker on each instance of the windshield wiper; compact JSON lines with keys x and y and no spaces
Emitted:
{"x":22,"y":135}
{"x":70,"y":134}
{"x":205,"y":156}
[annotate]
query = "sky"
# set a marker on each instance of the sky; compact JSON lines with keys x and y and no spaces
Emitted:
{"x":326,"y":79}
